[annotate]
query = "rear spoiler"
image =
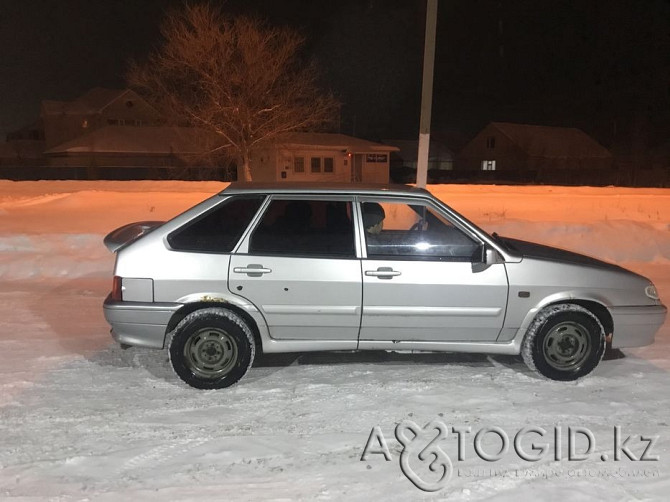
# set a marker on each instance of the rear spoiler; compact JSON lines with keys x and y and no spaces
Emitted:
{"x":126,"y":234}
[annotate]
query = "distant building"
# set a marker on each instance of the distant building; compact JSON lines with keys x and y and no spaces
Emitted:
{"x":66,"y":120}
{"x":115,"y":133}
{"x":121,"y":146}
{"x":503,"y":146}
{"x":439,"y":156}
{"x":31,"y":132}
{"x":23,"y":147}
{"x":328,"y":157}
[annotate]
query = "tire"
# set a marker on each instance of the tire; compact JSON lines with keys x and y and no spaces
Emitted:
{"x":564,"y":342}
{"x":212,"y":348}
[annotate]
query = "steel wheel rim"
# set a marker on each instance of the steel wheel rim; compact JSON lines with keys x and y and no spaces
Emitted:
{"x":567,"y":346}
{"x":211,"y":353}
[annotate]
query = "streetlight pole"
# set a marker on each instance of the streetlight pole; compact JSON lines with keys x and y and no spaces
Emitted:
{"x":426,"y":93}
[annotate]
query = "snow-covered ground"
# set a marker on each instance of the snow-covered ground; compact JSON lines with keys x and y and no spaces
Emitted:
{"x":82,"y":419}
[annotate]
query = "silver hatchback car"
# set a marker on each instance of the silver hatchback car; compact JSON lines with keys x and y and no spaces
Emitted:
{"x":301,"y":267}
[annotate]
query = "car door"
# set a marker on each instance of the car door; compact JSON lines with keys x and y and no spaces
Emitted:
{"x":299,"y":267}
{"x":424,"y":278}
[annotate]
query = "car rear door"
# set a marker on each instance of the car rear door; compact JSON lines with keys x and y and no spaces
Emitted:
{"x":299,"y":267}
{"x":424,"y":278}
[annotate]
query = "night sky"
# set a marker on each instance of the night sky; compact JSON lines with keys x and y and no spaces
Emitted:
{"x":600,"y":65}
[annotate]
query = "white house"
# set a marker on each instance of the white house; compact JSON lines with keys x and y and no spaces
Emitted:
{"x":322,"y":157}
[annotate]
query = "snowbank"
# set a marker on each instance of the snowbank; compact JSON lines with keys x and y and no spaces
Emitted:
{"x":55,"y":228}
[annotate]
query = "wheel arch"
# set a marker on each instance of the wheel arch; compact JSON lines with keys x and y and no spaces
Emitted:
{"x":596,"y":307}
{"x":599,"y":310}
{"x":193,"y":306}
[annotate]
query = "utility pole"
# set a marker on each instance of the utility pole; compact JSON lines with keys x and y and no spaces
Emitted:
{"x":426,"y":93}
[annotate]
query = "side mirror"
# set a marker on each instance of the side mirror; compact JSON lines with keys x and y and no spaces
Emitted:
{"x":489,"y":256}
{"x":478,"y":255}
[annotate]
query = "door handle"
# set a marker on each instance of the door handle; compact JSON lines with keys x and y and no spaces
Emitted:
{"x":382,"y":273}
{"x":252,"y":270}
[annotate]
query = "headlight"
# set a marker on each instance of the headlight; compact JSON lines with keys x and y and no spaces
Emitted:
{"x":651,"y":292}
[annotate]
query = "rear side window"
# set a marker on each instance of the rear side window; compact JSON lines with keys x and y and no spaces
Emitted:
{"x":303,"y":227}
{"x":218,"y":230}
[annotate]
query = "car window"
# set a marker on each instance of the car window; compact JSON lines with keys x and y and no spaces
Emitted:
{"x":219,"y":229}
{"x":414,"y":231}
{"x":305,"y":228}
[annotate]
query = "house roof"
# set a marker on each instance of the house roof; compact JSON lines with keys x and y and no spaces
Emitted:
{"x":409,"y":149}
{"x":332,"y":141}
{"x":139,"y":141}
{"x":552,"y":142}
{"x":93,"y":101}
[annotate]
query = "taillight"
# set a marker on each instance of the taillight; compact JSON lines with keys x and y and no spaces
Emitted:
{"x":116,"y":289}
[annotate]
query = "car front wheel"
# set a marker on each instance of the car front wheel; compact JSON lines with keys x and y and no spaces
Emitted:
{"x":564,"y":342}
{"x":211,"y":348}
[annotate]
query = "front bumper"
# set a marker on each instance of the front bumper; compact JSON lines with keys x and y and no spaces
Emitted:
{"x":636,"y":326}
{"x":138,"y":323}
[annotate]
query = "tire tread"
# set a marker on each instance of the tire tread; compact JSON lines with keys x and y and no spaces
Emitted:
{"x":217,"y":312}
{"x":541,"y":319}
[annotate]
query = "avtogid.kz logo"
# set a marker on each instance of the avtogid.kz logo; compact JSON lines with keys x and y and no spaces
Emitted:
{"x":424,"y":461}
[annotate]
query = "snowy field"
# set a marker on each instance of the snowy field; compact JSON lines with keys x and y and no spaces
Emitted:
{"x":81,"y":419}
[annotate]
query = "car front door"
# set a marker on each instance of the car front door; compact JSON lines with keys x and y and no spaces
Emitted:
{"x":424,"y":278}
{"x":299,"y":267}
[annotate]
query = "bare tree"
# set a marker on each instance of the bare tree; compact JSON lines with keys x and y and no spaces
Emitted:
{"x":237,"y":77}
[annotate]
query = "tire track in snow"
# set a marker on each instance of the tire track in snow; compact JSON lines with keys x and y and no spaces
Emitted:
{"x":160,"y":455}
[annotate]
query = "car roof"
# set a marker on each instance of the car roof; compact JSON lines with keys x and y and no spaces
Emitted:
{"x":324,"y":188}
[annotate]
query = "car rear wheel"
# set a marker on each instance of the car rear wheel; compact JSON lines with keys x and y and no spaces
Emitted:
{"x":564,"y":342}
{"x":211,"y":348}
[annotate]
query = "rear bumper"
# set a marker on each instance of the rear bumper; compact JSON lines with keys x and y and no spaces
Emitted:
{"x":138,"y":323}
{"x":636,"y":326}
